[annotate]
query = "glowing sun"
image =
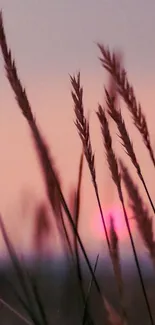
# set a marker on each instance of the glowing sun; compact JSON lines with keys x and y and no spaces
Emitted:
{"x":119,"y":221}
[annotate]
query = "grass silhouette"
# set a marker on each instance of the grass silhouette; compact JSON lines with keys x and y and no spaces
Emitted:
{"x":88,"y":294}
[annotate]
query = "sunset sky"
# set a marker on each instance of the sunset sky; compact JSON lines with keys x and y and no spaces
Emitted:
{"x":49,"y":41}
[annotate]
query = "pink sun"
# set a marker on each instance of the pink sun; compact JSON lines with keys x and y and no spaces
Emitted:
{"x":118,"y":216}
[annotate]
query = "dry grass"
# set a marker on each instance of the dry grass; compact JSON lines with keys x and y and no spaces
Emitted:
{"x":113,"y":167}
{"x":119,"y":85}
{"x":126,"y":142}
{"x":83,"y":129}
{"x":52,"y":183}
{"x":140,"y":212}
{"x":115,"y":256}
{"x":125,"y":89}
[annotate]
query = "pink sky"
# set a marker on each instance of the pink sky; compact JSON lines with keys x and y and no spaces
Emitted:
{"x":49,"y":40}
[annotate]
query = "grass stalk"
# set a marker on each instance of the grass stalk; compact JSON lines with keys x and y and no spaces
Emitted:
{"x":112,"y":65}
{"x":53,"y":188}
{"x":126,"y":142}
{"x":14,"y":311}
{"x":83,"y":131}
{"x":115,"y":256}
{"x":113,"y":167}
{"x":23,"y":280}
{"x":141,"y":214}
{"x":89,"y":292}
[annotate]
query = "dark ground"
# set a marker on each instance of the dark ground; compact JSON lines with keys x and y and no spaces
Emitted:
{"x":59,"y":291}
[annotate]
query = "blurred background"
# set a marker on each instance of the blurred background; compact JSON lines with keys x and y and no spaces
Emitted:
{"x":50,"y":40}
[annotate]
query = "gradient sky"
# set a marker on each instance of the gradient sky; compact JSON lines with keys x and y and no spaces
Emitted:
{"x":49,"y":40}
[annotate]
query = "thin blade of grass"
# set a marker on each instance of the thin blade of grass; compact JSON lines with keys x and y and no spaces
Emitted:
{"x":76,"y":218}
{"x":89,"y":292}
{"x":38,"y":298}
{"x":19,"y":271}
{"x":21,"y":300}
{"x":75,"y":201}
{"x":14,"y":311}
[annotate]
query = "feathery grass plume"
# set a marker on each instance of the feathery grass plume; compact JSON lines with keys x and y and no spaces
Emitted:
{"x":113,"y":167}
{"x":46,"y":162}
{"x":82,"y":124}
{"x":22,"y":100}
{"x":112,"y":162}
{"x":112,"y":86}
{"x":115,"y":256}
{"x":52,"y":182}
{"x":83,"y":131}
{"x":72,"y":198}
{"x":126,"y":142}
{"x":42,"y":227}
{"x":43,"y":230}
{"x":140,"y":212}
{"x":125,"y":89}
{"x":29,"y":305}
{"x":112,"y":89}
